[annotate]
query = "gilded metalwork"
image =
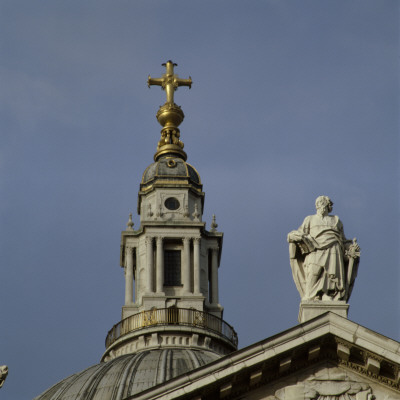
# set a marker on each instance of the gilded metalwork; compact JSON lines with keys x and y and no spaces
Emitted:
{"x":149,"y":318}
{"x":169,"y":81}
{"x":198,"y":318}
{"x":172,"y":316}
{"x":171,"y":163}
{"x":170,"y":115}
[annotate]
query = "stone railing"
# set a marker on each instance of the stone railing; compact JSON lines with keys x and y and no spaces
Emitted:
{"x":172,"y":316}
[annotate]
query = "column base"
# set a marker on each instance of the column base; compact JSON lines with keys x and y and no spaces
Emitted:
{"x":311,"y":309}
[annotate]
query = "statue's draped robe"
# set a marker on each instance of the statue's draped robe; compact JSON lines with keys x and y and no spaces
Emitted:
{"x":324,"y":267}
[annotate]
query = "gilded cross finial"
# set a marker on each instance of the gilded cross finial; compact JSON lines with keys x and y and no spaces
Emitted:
{"x":169,"y":81}
{"x":170,"y":115}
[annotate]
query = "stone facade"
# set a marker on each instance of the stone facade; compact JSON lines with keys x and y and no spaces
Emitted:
{"x":327,"y":358}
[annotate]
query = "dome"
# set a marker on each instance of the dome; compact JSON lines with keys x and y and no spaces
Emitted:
{"x":170,"y":169}
{"x":128,"y":374}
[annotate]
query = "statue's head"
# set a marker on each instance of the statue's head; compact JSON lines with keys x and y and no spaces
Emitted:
{"x":322,"y":203}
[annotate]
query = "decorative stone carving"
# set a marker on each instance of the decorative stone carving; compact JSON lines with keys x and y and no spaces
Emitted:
{"x":197,"y":240}
{"x":196,"y":214}
{"x":186,"y":212}
{"x":336,"y":386}
{"x":214,"y":224}
{"x":3,"y":374}
{"x":130,"y":223}
{"x":149,"y":240}
{"x":326,"y":390}
{"x":324,"y":263}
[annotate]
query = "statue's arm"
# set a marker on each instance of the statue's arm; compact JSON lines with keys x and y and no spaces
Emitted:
{"x":301,"y":238}
{"x":298,"y":235}
{"x":294,"y":236}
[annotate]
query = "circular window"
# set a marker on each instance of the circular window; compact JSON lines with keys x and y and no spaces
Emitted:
{"x":172,"y":203}
{"x":171,"y":163}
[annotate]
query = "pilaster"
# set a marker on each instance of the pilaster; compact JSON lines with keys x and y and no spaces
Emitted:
{"x":196,"y":265}
{"x":160,"y":265}
{"x":150,"y":264}
{"x":214,"y":276}
{"x":186,"y":265}
{"x":129,"y":276}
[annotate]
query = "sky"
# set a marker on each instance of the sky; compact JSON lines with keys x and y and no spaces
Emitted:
{"x":290,"y":100}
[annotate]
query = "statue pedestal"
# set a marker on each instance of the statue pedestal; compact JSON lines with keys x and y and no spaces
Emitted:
{"x":311,"y":309}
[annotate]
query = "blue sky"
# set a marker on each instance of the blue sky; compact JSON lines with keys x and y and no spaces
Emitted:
{"x":290,"y":100}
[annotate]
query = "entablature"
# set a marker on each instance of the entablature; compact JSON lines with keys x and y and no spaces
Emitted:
{"x":322,"y":344}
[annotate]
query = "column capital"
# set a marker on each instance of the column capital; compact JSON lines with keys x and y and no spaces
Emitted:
{"x":149,"y":239}
{"x":129,"y":249}
{"x":186,"y":240}
{"x":214,"y":248}
{"x":160,"y":239}
{"x":196,"y":240}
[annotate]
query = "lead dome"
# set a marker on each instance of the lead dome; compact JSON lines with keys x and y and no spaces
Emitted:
{"x":128,"y":375}
{"x":170,"y":169}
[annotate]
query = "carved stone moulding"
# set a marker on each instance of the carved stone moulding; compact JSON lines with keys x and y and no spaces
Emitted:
{"x":312,"y":309}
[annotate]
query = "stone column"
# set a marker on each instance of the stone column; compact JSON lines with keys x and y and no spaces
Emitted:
{"x":160,"y":265}
{"x":150,"y":264}
{"x":129,"y":276}
{"x":196,"y":265}
{"x":186,"y":265}
{"x":214,"y":275}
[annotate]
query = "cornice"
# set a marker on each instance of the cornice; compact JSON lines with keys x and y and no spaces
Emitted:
{"x":327,"y":338}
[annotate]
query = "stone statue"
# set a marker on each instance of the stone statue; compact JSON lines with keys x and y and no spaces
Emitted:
{"x":324,"y":263}
{"x":3,"y":374}
{"x":326,"y":389}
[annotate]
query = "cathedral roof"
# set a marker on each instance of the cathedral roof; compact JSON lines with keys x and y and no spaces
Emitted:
{"x":129,"y":374}
{"x":327,"y":357}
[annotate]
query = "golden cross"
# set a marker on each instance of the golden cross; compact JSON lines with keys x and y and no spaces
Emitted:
{"x":169,"y":81}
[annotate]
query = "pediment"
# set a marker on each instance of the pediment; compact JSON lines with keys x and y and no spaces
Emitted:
{"x":324,"y":381}
{"x":327,"y":358}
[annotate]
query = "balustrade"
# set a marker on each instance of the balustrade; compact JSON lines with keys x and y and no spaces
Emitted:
{"x":172,"y":316}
